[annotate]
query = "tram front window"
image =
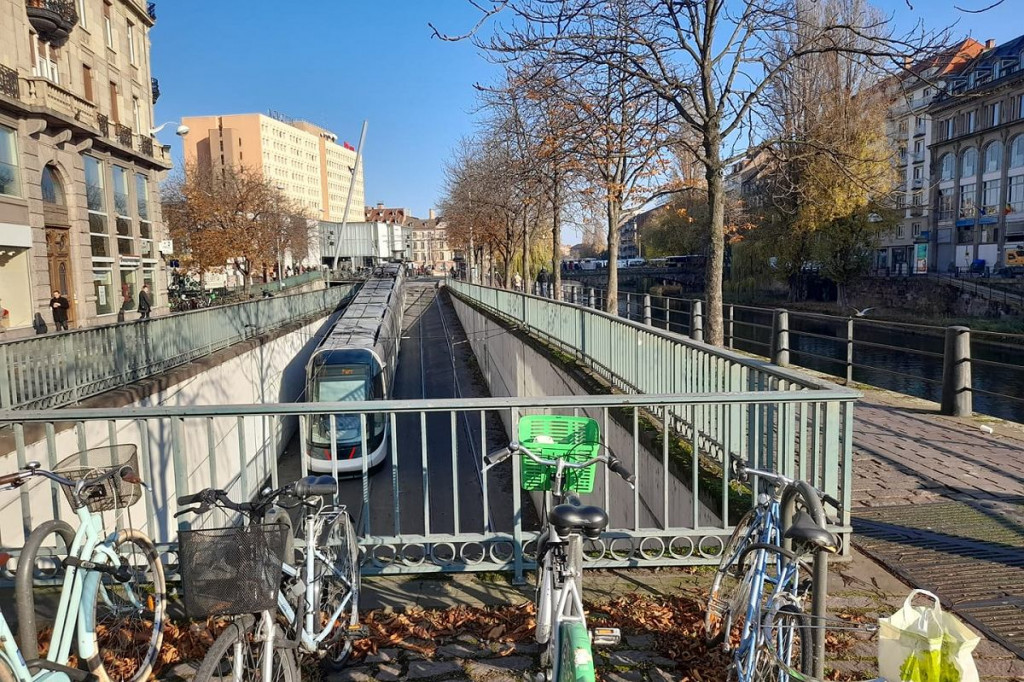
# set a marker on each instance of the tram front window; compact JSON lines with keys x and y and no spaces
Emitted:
{"x":346,"y":383}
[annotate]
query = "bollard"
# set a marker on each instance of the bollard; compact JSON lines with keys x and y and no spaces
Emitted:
{"x":629,"y":306}
{"x":590,"y":297}
{"x":849,"y":351}
{"x":647,"y":309}
{"x":696,"y":321}
{"x":572,"y":295}
{"x":956,"y":373}
{"x":780,"y":338}
{"x":729,"y":327}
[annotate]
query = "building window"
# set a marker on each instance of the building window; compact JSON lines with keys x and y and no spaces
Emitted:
{"x":969,"y":163}
{"x":950,"y":129}
{"x":967,"y":200}
{"x":915,"y":230}
{"x":136,"y":115}
{"x":972,"y":120}
{"x":919,"y":150}
{"x":113,"y":103}
{"x":993,"y":157}
{"x":1017,"y":152}
{"x":45,"y":57}
{"x":10,"y":183}
{"x":145,"y":223}
{"x":96,"y":205}
{"x":129,"y":288}
{"x":87,"y":82}
{"x":918,"y":172}
{"x":946,"y":167}
{"x":901,"y":200}
{"x":108,"y":27}
{"x":899,"y":231}
{"x":997,"y":113}
{"x":104,"y":289}
{"x":946,"y":204}
{"x":1015,"y":196}
{"x":990,"y":198}
{"x":53,"y":193}
{"x":918,"y":199}
{"x":81,"y":14}
{"x":122,"y":213}
{"x":131,"y":43}
{"x":149,"y":279}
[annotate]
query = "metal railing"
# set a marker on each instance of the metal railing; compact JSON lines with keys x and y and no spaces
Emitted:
{"x":988,"y":365}
{"x":429,"y":509}
{"x":9,"y":85}
{"x":61,"y":369}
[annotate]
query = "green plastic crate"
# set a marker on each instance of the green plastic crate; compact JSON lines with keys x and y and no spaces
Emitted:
{"x":576,"y":438}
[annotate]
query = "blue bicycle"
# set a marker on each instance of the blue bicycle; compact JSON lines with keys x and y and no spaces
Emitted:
{"x":755,"y":569}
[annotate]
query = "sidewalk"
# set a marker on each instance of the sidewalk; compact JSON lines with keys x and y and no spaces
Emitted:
{"x":941,"y":503}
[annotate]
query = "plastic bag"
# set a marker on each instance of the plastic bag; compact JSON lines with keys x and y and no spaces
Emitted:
{"x":925,"y":644}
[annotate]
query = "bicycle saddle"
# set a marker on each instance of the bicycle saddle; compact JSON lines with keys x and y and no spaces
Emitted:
{"x":567,"y":518}
{"x":805,"y":531}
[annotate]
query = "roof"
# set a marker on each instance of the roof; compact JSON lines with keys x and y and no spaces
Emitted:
{"x":380,"y":214}
{"x":988,"y":69}
{"x":360,"y":323}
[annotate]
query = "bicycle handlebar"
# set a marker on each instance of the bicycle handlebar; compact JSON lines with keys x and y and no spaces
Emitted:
{"x":743,"y":471}
{"x":611,"y":461}
{"x":303,"y":488}
{"x":31,"y":469}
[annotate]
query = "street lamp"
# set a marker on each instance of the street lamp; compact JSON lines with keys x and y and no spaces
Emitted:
{"x":182,"y":130}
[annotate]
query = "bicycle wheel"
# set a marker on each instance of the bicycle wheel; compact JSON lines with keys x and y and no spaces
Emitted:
{"x":238,"y":654}
{"x":575,"y":656}
{"x":786,"y":652}
{"x":130,"y":616}
{"x":336,"y":589}
{"x":729,"y":588}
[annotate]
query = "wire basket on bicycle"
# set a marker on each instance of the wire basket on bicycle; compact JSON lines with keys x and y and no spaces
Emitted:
{"x":231,"y":571}
{"x":577,"y":439}
{"x":114,"y":492}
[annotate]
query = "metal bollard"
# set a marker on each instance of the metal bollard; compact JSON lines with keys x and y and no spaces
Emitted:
{"x":591,"y":301}
{"x":849,"y":351}
{"x":780,"y":338}
{"x":956,"y":373}
{"x":647,"y":309}
{"x":697,"y":321}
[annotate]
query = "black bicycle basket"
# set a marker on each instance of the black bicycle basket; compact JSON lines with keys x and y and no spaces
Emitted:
{"x":113,"y":493}
{"x":231,"y":571}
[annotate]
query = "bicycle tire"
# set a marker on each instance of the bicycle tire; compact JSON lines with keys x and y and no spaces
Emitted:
{"x":24,"y":579}
{"x":337,"y":570}
{"x":131,"y":615}
{"x":786,"y":647}
{"x":575,"y":655}
{"x":218,"y":664}
{"x":728,"y":586}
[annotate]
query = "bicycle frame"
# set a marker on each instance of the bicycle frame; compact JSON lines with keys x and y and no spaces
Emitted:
{"x":568,"y":608}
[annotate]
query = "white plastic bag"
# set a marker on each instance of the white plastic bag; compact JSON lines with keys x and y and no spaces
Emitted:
{"x":925,"y":644}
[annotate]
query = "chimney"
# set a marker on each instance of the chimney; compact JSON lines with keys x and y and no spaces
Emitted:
{"x":432,"y":214}
{"x":380,"y":204}
{"x":990,"y":43}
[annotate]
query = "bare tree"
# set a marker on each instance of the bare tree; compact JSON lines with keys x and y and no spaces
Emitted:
{"x":708,"y":60}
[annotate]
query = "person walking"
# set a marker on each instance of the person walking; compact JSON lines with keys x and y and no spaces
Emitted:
{"x":542,"y":282}
{"x":517,"y":282}
{"x":60,"y":306}
{"x":145,"y":302}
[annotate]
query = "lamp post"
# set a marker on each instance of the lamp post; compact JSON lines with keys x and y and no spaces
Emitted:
{"x":182,"y":130}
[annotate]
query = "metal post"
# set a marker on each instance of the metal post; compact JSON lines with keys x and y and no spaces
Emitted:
{"x":647,"y":309}
{"x":780,"y":338}
{"x":696,"y":321}
{"x":729,"y":338}
{"x":956,"y":373}
{"x":348,"y":199}
{"x":629,"y":306}
{"x":849,"y":351}
{"x":590,"y":297}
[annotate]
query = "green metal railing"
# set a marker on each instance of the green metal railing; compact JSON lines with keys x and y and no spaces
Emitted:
{"x":61,"y":369}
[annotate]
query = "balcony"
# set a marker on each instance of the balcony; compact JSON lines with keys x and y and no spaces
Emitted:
{"x":920,"y":130}
{"x":155,"y":87}
{"x":103,"y":123}
{"x":123,"y":135}
{"x":9,"y":82}
{"x":918,"y":157}
{"x":146,"y":145}
{"x":53,"y":20}
{"x":48,"y":95}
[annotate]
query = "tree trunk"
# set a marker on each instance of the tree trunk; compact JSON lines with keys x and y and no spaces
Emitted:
{"x":713,"y":327}
{"x":526,"y":253}
{"x":556,"y":244}
{"x":614,"y":212}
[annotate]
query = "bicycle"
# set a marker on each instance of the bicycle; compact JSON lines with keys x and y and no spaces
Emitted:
{"x":738,"y":591}
{"x":316,"y":597}
{"x":559,"y":598}
{"x":113,"y":599}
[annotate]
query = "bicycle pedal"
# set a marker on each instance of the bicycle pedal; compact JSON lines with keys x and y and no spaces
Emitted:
{"x":605,"y":636}
{"x":357,"y":631}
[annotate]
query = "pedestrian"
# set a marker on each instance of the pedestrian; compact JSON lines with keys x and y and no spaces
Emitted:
{"x":145,"y":302}
{"x":542,"y":282}
{"x":60,"y":306}
{"x":517,"y":282}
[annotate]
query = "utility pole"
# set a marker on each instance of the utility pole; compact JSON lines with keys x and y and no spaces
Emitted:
{"x":348,"y":201}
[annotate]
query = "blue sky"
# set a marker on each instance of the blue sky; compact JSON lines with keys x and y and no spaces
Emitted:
{"x":337,"y":62}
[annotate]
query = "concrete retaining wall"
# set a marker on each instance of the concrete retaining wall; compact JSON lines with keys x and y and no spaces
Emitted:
{"x":512,"y":367}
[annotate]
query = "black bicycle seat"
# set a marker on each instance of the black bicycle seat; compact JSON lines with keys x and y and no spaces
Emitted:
{"x":805,"y":531}
{"x":567,"y":518}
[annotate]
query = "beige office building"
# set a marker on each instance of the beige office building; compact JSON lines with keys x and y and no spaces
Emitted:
{"x":303,"y":159}
{"x":79,"y":169}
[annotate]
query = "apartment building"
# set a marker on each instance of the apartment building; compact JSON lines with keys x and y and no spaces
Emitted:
{"x":978,"y":162}
{"x":79,"y":166}
{"x":909,"y":128}
{"x":431,"y":251}
{"x":304,"y":160}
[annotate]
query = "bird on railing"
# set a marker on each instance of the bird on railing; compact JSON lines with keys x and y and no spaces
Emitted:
{"x":860,"y":313}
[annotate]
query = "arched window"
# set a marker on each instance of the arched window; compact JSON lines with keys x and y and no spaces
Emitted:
{"x":993,"y":157}
{"x":946,"y":167}
{"x":53,"y":192}
{"x":969,"y":163}
{"x":1017,"y":152}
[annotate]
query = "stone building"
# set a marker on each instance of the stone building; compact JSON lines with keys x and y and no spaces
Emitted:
{"x":431,"y":251}
{"x":977,"y":156}
{"x":79,"y":166}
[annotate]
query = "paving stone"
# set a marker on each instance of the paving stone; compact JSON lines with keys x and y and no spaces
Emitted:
{"x":361,"y":674}
{"x":419,"y":670}
{"x":496,"y":666}
{"x":639,"y":641}
{"x":622,"y":675}
{"x":382,"y":656}
{"x":640,"y":658}
{"x":389,"y":672}
{"x":460,"y":650}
